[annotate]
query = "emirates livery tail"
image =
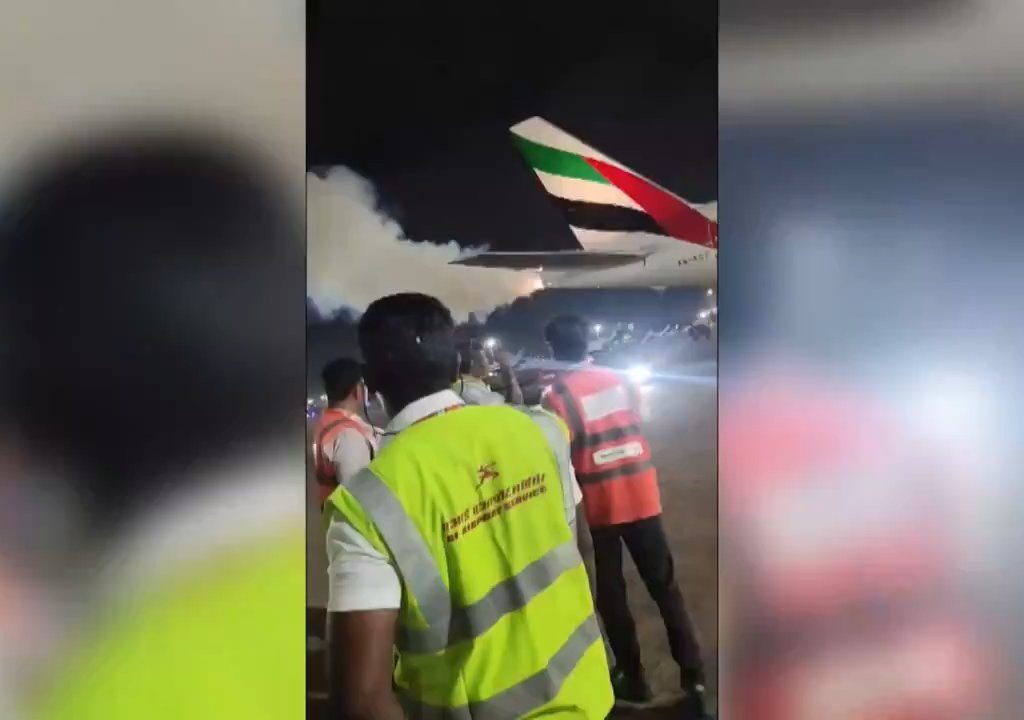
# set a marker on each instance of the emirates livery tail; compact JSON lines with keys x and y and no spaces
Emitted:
{"x":632,"y":232}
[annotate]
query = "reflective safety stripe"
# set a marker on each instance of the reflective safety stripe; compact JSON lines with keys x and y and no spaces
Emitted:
{"x":506,"y":597}
{"x":604,"y":403}
{"x":627,"y":470}
{"x":552,"y":428}
{"x":524,"y":697}
{"x":447,"y":625}
{"x":611,"y":435}
{"x":415,"y":563}
{"x":574,"y":419}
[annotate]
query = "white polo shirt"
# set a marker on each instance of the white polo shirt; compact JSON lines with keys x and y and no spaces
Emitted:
{"x":360,"y":577}
{"x":476,"y":392}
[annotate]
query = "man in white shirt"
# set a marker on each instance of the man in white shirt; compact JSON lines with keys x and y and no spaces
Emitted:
{"x":471,"y":386}
{"x":362,"y":579}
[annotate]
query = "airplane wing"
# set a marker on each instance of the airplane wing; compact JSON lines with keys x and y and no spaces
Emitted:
{"x":554,"y":260}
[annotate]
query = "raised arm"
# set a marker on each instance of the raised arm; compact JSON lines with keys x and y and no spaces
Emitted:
{"x":513,"y":393}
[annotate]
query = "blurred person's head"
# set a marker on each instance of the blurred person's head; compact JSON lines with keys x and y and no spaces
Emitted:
{"x":472,"y":360}
{"x":567,"y":335}
{"x":479,"y":366}
{"x":465,"y":351}
{"x":408,"y":343}
{"x":151,"y":311}
{"x":343,"y":383}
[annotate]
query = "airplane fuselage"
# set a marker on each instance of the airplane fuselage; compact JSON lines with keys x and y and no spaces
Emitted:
{"x":683,"y":266}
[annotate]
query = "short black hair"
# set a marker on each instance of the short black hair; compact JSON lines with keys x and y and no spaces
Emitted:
{"x":568,"y":336}
{"x":148,"y":269}
{"x":340,"y":378}
{"x":408,"y":344}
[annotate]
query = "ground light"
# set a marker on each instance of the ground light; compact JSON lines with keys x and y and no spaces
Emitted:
{"x":490,"y":343}
{"x":597,"y":328}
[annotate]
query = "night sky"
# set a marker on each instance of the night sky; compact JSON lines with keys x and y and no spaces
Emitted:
{"x":418,"y":97}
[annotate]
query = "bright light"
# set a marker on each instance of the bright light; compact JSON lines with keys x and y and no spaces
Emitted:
{"x":490,"y":343}
{"x":639,"y":374}
{"x":952,"y":405}
{"x":597,"y":328}
{"x":710,"y":292}
{"x":703,"y":314}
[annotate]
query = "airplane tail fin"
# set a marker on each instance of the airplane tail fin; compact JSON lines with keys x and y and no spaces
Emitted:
{"x":609,"y":207}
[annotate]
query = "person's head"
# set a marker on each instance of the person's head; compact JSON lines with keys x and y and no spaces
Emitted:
{"x":478,"y":366}
{"x":408,"y":344}
{"x":148,"y":313}
{"x":568,"y":336}
{"x":343,"y":383}
{"x":472,"y":360}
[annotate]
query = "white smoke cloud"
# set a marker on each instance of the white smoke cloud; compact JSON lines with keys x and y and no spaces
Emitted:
{"x":356,"y":254}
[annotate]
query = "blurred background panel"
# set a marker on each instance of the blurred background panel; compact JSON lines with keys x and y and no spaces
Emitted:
{"x":870,"y":347}
{"x":152,"y":307}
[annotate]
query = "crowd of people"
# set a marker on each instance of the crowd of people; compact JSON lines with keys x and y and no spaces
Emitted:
{"x":470,"y":539}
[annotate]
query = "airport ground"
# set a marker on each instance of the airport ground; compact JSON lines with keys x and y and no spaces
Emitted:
{"x":682,"y":428}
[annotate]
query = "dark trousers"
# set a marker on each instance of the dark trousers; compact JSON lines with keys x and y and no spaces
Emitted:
{"x":647,"y":544}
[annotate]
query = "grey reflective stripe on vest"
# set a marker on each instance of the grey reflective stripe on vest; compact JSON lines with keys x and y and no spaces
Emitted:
{"x":446,"y":624}
{"x":627,"y":470}
{"x":532,"y":693}
{"x":559,"y":444}
{"x":505,"y":597}
{"x":415,"y":563}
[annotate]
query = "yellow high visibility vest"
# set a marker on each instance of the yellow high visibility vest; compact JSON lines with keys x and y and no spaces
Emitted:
{"x":497,"y":620}
{"x":224,"y":641}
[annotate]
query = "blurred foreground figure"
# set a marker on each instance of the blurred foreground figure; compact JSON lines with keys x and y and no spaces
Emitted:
{"x":613,"y":464}
{"x":842,"y":561}
{"x":456,"y":546}
{"x":152,"y":317}
{"x":344,"y":441}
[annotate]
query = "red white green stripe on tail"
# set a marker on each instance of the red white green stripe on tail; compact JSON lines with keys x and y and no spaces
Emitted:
{"x":632,"y":232}
{"x":608,"y":206}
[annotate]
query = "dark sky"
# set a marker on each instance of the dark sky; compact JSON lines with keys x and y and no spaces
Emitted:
{"x":418,"y":97}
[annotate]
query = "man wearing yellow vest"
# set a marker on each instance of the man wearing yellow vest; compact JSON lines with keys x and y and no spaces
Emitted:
{"x":456,"y":547}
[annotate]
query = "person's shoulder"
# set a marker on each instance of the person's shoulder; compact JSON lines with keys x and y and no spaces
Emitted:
{"x":165,"y":632}
{"x":545,"y":419}
{"x":321,"y":423}
{"x":329,"y":421}
{"x":349,"y":437}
